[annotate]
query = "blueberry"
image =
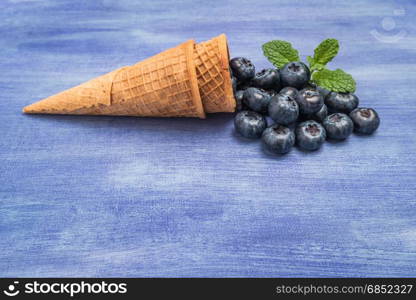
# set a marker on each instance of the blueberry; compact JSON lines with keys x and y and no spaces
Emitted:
{"x":365,"y":120}
{"x":250,"y":124}
{"x":318,"y":116}
{"x":324,"y":92}
{"x":310,"y":101}
{"x":272,"y":93}
{"x":242,"y":68}
{"x":239,"y":95}
{"x":341,"y":102}
{"x":267,"y":79}
{"x":257,"y":99}
{"x":243,"y":85}
{"x":338,"y":126}
{"x":295,"y":74}
{"x":290,"y":91}
{"x":234,"y":83}
{"x":310,"y":135}
{"x":278,"y":139}
{"x":283,"y":109}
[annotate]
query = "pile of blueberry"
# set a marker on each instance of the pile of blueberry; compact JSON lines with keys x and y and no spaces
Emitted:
{"x":302,"y":113}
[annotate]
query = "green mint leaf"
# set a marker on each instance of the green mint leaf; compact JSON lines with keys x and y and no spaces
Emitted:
{"x":326,"y":51}
{"x":313,"y":65}
{"x":280,"y":53}
{"x":335,"y":81}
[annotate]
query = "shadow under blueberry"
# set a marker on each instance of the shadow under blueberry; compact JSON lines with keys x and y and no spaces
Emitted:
{"x":242,"y":140}
{"x":365,"y":136}
{"x":309,"y":152}
{"x":337,"y":142}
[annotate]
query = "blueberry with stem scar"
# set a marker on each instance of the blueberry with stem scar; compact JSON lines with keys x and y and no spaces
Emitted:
{"x":278,"y":139}
{"x":338,"y":126}
{"x":295,"y":74}
{"x":309,"y":100}
{"x":250,"y":124}
{"x":242,"y":68}
{"x":310,"y":135}
{"x":365,"y":120}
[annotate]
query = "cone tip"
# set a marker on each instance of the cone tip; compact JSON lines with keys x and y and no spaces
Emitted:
{"x":26,"y":109}
{"x":30,"y":109}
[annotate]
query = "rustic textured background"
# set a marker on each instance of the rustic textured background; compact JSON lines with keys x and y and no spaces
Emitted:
{"x":108,"y":196}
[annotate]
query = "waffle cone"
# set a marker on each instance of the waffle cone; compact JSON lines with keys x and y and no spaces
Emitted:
{"x":164,"y":85}
{"x":184,"y":81}
{"x":214,"y":79}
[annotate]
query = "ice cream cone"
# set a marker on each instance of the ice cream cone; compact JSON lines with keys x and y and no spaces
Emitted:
{"x":166,"y":85}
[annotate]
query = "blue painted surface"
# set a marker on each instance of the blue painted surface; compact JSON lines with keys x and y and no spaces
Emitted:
{"x":109,"y":196}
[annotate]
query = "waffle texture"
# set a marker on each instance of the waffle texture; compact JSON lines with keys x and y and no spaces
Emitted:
{"x":214,"y":78}
{"x":89,"y":96}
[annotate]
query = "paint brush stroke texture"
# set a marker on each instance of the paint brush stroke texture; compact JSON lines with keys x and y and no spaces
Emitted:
{"x":107,"y":196}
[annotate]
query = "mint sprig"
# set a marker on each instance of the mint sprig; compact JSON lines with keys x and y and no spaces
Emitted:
{"x":280,"y":53}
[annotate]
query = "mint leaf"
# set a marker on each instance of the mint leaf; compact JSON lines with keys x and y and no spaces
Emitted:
{"x":314,"y":66}
{"x":326,"y":51}
{"x":280,"y":53}
{"x":335,"y":81}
